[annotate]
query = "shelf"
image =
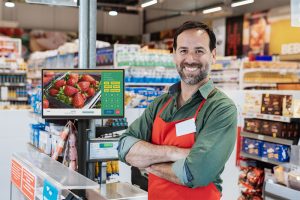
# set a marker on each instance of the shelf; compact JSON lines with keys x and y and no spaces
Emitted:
{"x":16,"y":99}
{"x":109,"y":129}
{"x":279,"y":70}
{"x":266,"y":160}
{"x":226,"y":69}
{"x":149,"y":84}
{"x":12,"y":84}
{"x":259,"y":84}
{"x":267,"y":138}
{"x":12,"y":72}
{"x":224,"y":81}
{"x":271,"y":117}
{"x":291,"y":57}
{"x":279,"y":191}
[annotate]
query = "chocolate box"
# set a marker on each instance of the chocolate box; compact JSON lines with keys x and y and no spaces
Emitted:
{"x":252,"y":146}
{"x":252,"y":125}
{"x":277,"y":152}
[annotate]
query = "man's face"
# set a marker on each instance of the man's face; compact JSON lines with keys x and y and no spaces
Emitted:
{"x":193,"y":57}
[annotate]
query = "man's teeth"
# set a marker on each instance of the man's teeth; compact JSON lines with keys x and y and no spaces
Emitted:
{"x":191,"y":69}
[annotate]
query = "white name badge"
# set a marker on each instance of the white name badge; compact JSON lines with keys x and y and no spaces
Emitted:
{"x":185,"y":127}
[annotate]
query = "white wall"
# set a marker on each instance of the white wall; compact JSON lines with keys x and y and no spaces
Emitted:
{"x":219,"y":28}
{"x":46,"y":17}
{"x":14,"y":136}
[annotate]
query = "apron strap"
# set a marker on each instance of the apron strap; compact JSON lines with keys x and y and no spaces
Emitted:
{"x":202,"y":103}
{"x":199,"y":108}
{"x":164,"y":106}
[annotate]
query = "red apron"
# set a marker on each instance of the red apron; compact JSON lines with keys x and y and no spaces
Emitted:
{"x":164,"y":133}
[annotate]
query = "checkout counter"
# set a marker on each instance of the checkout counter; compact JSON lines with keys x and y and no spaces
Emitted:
{"x":35,"y":176}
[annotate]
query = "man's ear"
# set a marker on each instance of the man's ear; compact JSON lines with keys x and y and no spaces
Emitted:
{"x":214,"y":55}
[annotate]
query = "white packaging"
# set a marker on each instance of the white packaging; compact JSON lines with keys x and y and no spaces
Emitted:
{"x":4,"y":93}
{"x":252,"y":103}
{"x":45,"y":142}
{"x":54,"y":142}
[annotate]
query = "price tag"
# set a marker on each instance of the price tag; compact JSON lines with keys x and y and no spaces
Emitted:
{"x":16,"y":173}
{"x":49,"y":191}
{"x":28,"y":184}
{"x":261,"y":137}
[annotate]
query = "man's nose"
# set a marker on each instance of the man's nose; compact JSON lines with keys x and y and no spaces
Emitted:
{"x":190,"y":58}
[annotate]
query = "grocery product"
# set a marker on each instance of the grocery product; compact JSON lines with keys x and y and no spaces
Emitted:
{"x":250,"y":182}
{"x":277,"y":152}
{"x":252,"y":146}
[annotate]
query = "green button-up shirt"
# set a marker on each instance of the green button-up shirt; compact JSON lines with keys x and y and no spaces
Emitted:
{"x":216,"y":126}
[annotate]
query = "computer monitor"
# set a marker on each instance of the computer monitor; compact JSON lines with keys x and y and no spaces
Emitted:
{"x":83,"y":93}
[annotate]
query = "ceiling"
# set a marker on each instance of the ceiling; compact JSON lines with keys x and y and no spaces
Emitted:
{"x":173,"y":8}
{"x":165,"y":9}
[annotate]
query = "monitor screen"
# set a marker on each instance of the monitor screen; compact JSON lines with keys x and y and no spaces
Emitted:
{"x":83,"y":93}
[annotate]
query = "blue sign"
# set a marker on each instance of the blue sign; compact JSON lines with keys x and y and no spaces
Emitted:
{"x":49,"y":192}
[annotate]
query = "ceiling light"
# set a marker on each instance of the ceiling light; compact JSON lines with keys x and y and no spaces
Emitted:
{"x":211,"y":10}
{"x":113,"y":13}
{"x":75,"y":1}
{"x":148,"y":3}
{"x":241,"y":3}
{"x":9,"y":4}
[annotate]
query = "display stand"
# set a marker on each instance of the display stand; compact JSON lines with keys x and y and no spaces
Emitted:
{"x":36,"y":176}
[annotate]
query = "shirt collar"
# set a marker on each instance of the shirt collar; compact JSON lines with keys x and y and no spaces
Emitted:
{"x":207,"y":88}
{"x":204,"y":90}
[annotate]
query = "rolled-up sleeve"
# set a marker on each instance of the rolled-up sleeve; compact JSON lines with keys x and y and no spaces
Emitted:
{"x":213,"y":147}
{"x":140,"y":129}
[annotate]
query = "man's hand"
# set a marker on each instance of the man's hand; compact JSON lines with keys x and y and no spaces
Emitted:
{"x":143,"y":154}
{"x":164,"y":170}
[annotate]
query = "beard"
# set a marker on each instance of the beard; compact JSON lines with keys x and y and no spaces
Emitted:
{"x":192,"y":78}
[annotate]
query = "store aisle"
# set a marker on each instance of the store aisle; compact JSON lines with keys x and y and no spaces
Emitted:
{"x":13,"y":138}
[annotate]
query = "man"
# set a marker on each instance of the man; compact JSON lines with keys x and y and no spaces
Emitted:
{"x":184,"y":138}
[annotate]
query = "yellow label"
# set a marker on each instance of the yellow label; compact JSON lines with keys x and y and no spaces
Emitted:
{"x":107,"y":86}
{"x":116,"y":86}
{"x":115,"y":90}
{"x":115,"y":82}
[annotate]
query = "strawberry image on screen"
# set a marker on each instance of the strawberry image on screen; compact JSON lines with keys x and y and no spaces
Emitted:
{"x":71,"y":90}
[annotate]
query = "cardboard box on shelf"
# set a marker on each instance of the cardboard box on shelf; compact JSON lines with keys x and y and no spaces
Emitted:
{"x":277,"y":152}
{"x":252,"y":146}
{"x":252,"y":103}
{"x":252,"y":125}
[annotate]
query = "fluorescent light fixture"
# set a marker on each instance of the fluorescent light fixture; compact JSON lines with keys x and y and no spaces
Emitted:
{"x":113,"y":13}
{"x":241,"y":3}
{"x":211,"y":10}
{"x":149,"y":3}
{"x":9,"y":4}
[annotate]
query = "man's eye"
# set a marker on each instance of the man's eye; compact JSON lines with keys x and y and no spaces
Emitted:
{"x":199,"y":52}
{"x":183,"y":51}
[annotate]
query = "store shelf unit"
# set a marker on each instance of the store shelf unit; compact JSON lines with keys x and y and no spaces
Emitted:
{"x":266,"y":160}
{"x":268,"y":138}
{"x":265,"y":75}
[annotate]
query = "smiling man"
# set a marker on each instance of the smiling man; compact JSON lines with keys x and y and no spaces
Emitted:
{"x":184,"y":138}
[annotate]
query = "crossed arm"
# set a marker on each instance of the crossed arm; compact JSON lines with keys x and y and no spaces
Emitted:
{"x":156,"y":159}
